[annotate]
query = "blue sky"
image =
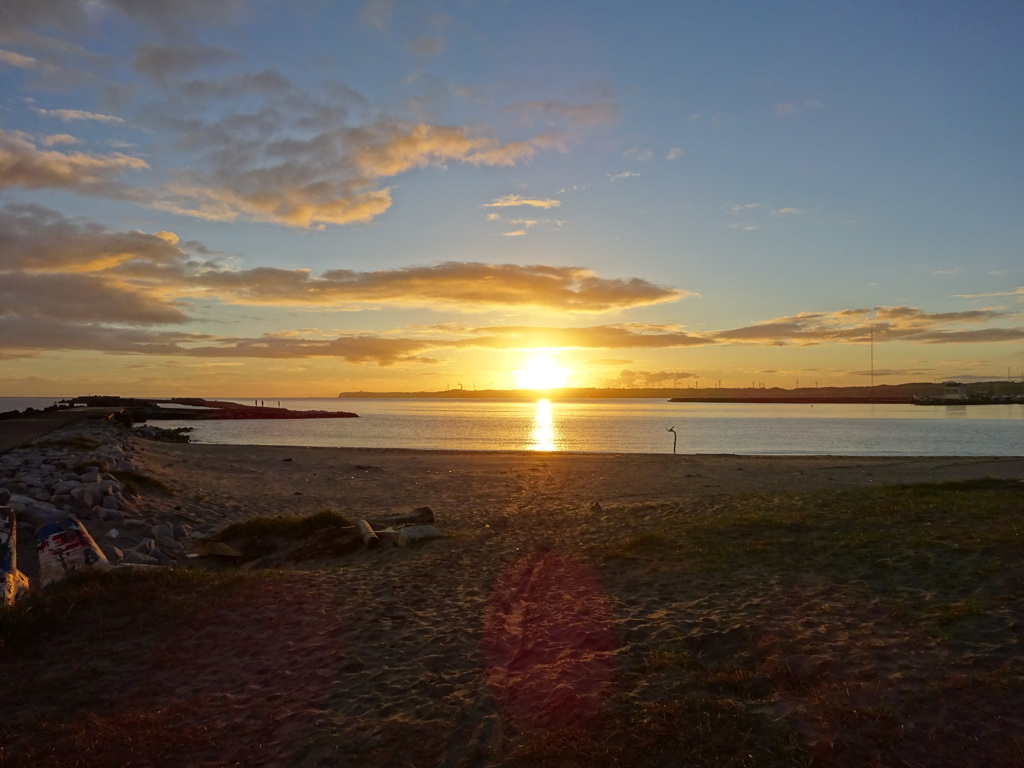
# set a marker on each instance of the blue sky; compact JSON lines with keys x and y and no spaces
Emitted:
{"x":238,"y":197}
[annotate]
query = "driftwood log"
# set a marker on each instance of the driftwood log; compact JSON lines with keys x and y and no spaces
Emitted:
{"x":419,"y":516}
{"x":367,"y":534}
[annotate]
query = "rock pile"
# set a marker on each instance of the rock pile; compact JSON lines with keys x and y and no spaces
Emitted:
{"x":175,"y":435}
{"x":79,"y":474}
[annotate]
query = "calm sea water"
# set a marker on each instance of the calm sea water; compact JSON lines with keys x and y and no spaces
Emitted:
{"x":629,"y":426}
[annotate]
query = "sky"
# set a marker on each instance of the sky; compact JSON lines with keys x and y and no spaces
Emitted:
{"x":293,"y":199}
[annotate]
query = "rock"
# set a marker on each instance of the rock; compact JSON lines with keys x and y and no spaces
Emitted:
{"x":218,"y":549}
{"x":137,"y":558}
{"x":112,"y":502}
{"x":115,"y":516}
{"x":42,"y":513}
{"x":114,"y":555}
{"x":414,"y":533}
{"x":169,"y":545}
{"x":181,"y":531}
{"x":146,"y":546}
{"x":5,"y":496}
{"x":161,"y":557}
{"x":162,"y":532}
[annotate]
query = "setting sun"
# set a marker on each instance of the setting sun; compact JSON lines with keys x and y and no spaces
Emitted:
{"x":542,"y":372}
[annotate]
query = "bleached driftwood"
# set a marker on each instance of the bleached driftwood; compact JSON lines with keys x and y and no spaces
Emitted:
{"x":367,"y":534}
{"x":419,"y":516}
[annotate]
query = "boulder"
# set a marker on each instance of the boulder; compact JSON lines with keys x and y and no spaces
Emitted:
{"x":414,"y":533}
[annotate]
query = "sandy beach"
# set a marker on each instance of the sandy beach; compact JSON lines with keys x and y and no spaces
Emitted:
{"x":460,"y":651}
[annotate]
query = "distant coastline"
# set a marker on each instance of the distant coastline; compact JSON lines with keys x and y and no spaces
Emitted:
{"x":923,"y":393}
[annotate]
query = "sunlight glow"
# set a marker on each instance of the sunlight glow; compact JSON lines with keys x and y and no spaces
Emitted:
{"x":542,"y":372}
{"x":542,"y":437}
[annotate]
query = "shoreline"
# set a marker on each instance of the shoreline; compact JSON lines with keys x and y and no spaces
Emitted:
{"x":239,"y":481}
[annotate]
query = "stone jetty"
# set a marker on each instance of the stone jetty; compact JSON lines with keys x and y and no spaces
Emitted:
{"x":71,"y":494}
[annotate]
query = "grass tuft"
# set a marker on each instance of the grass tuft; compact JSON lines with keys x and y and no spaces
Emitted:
{"x":137,"y":483}
{"x":280,"y":526}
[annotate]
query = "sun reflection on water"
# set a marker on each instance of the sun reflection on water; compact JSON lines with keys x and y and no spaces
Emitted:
{"x":542,"y":436}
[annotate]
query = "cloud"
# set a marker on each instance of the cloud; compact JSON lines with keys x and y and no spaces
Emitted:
{"x":788,"y":212}
{"x":36,"y":239}
{"x":78,"y":298}
{"x":464,"y":286}
{"x":630,"y":379}
{"x":162,"y":63}
{"x":625,"y":336}
{"x":514,"y":233}
{"x":1015,"y":292}
{"x":881,"y":324}
{"x":511,"y":201}
{"x":12,"y":59}
{"x":69,"y":115}
{"x":21,"y":16}
{"x":358,"y":349}
{"x":674,"y":154}
{"x":561,"y":112}
{"x":58,"y":138}
{"x":787,"y":108}
{"x":331,"y":177}
{"x":613,"y":177}
{"x":23,"y":164}
{"x":640,"y":154}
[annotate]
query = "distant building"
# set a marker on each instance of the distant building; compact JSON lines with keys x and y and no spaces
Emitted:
{"x":954,"y":390}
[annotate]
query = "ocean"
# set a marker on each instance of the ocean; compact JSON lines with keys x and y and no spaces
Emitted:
{"x":628,"y":426}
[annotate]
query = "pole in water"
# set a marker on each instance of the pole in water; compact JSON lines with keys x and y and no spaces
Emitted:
{"x":674,"y":436}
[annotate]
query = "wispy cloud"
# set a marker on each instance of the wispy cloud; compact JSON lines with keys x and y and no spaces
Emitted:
{"x":1015,"y":292}
{"x":742,"y":207}
{"x":674,"y":154}
{"x":613,"y":177}
{"x":787,"y":108}
{"x":639,"y":154}
{"x":71,"y":115}
{"x":12,"y":59}
{"x":511,"y":201}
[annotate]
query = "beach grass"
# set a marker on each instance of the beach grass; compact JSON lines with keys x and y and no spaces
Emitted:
{"x":137,"y":483}
{"x":282,"y":526}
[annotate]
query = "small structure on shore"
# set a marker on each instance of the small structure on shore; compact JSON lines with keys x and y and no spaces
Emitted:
{"x":954,"y":391}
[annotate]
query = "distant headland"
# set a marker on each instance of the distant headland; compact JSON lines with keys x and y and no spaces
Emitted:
{"x":195,"y":408}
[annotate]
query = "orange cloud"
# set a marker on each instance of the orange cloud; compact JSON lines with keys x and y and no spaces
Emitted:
{"x":466,"y":286}
{"x":510,"y":201}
